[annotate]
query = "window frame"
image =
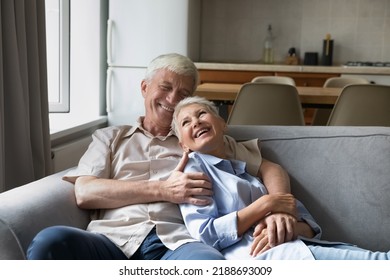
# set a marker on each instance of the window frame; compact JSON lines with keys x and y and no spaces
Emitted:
{"x":63,"y":84}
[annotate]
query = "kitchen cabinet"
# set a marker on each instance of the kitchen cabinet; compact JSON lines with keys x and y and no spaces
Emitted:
{"x":241,"y":76}
{"x":230,"y":76}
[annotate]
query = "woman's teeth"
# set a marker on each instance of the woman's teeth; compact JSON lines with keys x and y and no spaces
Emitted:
{"x":200,"y":132}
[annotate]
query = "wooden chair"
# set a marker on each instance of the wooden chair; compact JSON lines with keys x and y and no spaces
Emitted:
{"x":362,"y":105}
{"x":267,"y":104}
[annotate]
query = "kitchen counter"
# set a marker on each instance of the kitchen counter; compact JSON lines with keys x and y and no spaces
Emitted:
{"x":244,"y":66}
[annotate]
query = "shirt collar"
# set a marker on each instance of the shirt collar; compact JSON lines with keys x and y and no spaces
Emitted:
{"x":139,"y":127}
{"x":237,"y":165}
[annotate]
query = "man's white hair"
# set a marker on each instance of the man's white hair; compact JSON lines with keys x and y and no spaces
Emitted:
{"x":176,"y":63}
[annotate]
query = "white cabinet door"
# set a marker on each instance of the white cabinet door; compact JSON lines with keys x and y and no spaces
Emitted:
{"x":140,"y":30}
{"x":125,"y":102}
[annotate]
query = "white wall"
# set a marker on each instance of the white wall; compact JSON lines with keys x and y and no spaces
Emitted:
{"x":235,"y":29}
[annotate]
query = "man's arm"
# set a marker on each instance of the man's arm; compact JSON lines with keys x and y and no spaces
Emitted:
{"x":279,"y":226}
{"x":98,"y":193}
{"x":274,"y":177}
{"x":262,"y":207}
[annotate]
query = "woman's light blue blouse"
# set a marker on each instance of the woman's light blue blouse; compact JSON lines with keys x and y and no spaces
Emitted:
{"x":234,"y":189}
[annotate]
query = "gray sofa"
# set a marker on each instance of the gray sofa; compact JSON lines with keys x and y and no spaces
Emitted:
{"x":341,"y":174}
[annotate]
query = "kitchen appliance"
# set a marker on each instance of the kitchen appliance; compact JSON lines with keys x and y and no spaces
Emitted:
{"x":137,"y":32}
{"x":310,"y":58}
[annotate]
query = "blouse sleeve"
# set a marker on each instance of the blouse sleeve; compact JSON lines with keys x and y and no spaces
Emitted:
{"x":205,"y":223}
{"x":304,"y":215}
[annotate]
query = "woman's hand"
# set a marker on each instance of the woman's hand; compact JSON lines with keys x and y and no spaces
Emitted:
{"x":260,"y":243}
{"x":273,"y":230}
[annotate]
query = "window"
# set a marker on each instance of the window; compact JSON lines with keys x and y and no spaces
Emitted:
{"x":76,"y":35}
{"x":57,"y":48}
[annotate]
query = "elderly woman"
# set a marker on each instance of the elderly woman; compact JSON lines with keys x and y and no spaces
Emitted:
{"x":233,"y":222}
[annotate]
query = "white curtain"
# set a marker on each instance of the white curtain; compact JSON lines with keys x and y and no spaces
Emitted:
{"x":24,"y":119}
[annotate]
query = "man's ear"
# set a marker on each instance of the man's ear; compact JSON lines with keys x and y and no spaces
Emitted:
{"x":144,"y":85}
{"x":225,"y":127}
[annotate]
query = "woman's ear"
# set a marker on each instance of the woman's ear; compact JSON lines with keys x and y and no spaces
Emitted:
{"x":185,"y":148}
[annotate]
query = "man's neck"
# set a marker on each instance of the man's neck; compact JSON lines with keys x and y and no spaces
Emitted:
{"x":155,"y":129}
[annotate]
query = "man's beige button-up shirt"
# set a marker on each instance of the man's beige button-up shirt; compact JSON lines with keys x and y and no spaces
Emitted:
{"x":131,"y":153}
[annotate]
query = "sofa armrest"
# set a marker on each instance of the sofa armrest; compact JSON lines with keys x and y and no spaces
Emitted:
{"x":26,"y":210}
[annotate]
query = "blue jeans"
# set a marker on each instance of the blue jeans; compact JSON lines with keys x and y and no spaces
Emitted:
{"x":68,"y":243}
{"x":345,"y":252}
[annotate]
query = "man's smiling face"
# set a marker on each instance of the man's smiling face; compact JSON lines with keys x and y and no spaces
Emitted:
{"x":161,"y":94}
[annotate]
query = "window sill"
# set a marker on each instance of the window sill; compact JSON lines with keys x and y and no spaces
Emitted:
{"x":65,"y":131}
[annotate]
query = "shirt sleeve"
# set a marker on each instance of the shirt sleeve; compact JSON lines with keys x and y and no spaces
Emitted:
{"x":96,"y":160}
{"x":247,"y":151}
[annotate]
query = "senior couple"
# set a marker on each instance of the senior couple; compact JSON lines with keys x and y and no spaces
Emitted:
{"x":178,"y":188}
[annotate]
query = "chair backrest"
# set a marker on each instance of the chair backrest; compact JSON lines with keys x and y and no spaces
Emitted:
{"x":362,"y":105}
{"x":267,"y":104}
{"x":274,"y":79}
{"x":321,"y":115}
{"x":340,"y":82}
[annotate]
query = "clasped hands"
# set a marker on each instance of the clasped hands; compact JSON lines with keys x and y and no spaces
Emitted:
{"x":273,"y":230}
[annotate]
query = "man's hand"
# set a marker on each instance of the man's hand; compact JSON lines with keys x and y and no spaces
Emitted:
{"x":194,"y":188}
{"x":273,"y":230}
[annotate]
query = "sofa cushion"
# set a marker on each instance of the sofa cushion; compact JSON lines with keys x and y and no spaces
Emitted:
{"x":26,"y":210}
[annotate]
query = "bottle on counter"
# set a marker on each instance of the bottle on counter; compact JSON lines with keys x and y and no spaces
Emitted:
{"x":268,"y":53}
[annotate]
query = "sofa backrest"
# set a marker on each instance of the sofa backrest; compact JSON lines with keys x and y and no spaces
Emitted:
{"x":341,"y":174}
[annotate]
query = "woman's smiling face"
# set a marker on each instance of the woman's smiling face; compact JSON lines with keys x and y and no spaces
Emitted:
{"x":201,"y":130}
